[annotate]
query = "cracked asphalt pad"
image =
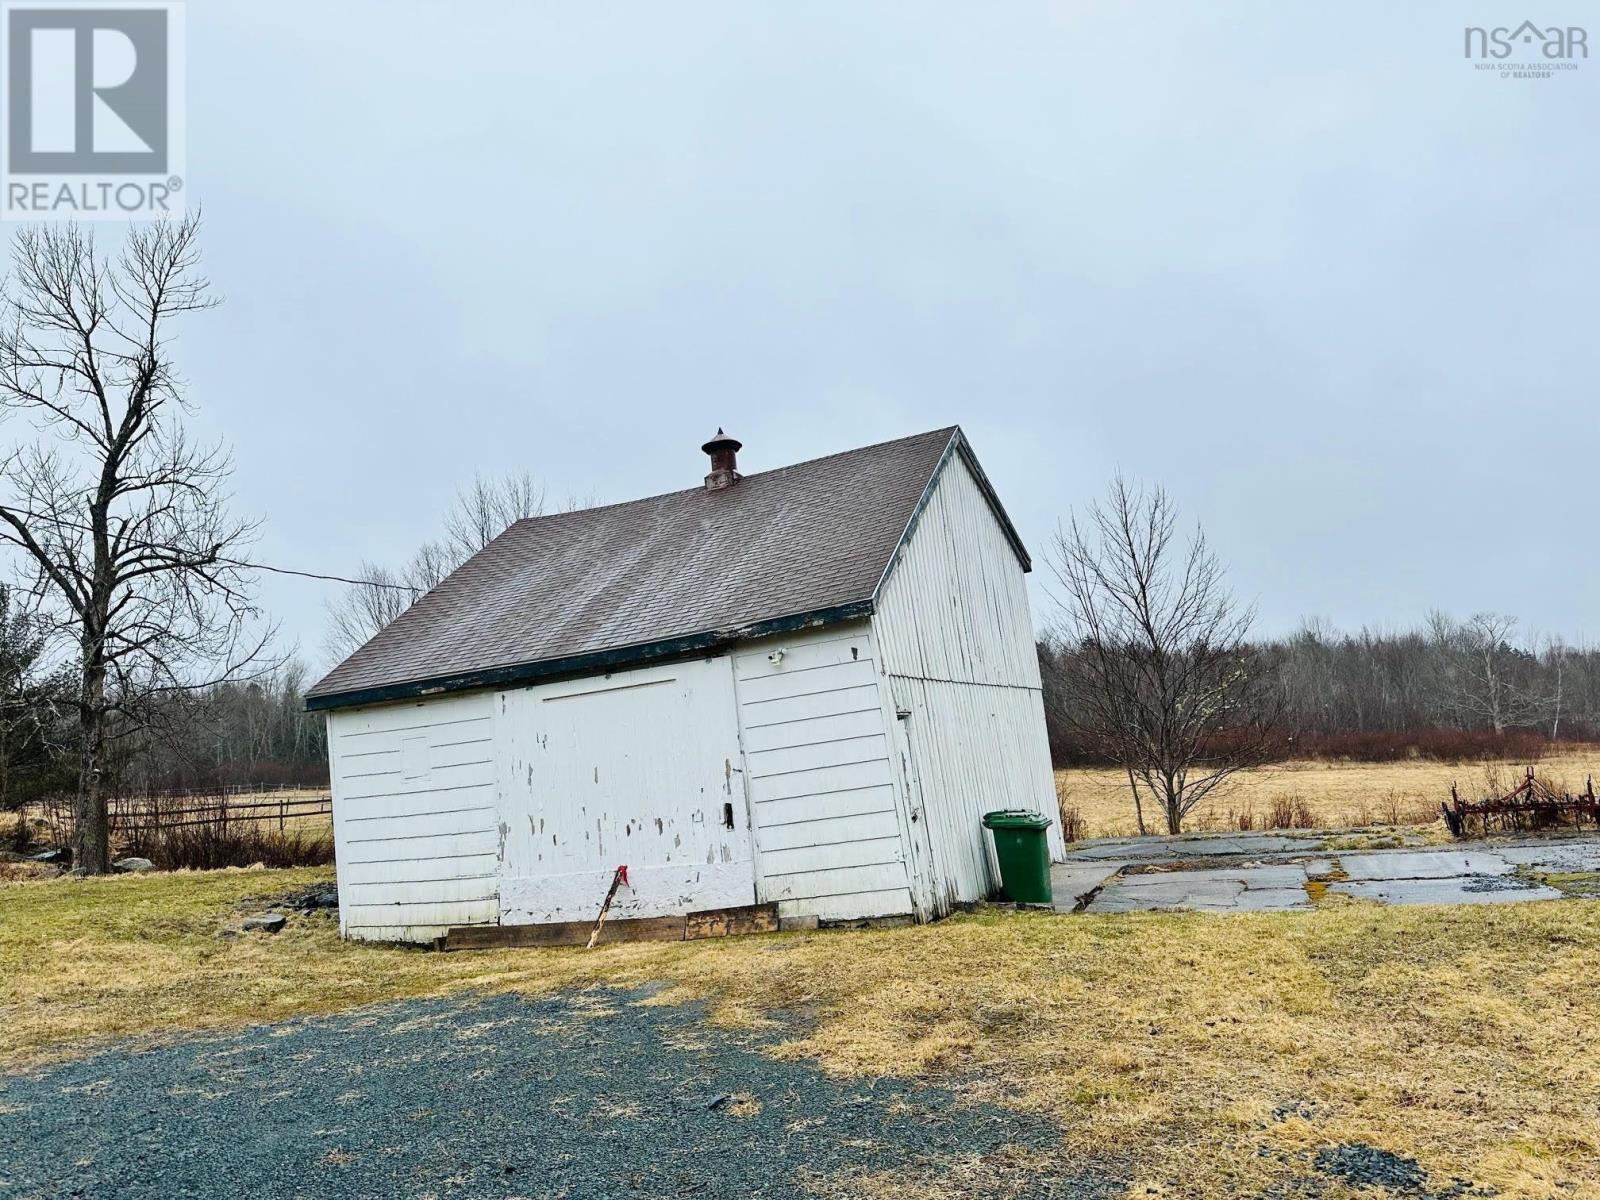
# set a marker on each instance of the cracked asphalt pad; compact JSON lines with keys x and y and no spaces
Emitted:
{"x":591,"y":1094}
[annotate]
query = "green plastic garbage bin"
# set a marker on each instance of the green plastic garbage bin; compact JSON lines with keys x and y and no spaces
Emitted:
{"x":1024,"y":853}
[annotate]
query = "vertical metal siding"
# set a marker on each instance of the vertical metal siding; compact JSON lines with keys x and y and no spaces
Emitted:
{"x":414,"y":817}
{"x":957,"y":642}
{"x":827,"y":812}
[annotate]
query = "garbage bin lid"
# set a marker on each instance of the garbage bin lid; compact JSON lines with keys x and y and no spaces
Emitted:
{"x":1015,"y":818}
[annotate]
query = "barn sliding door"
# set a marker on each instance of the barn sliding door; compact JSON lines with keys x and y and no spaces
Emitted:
{"x":639,"y":768}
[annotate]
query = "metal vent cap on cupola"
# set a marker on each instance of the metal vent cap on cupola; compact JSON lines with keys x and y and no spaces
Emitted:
{"x":724,"y":451}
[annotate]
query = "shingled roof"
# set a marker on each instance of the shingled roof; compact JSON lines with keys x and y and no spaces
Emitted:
{"x":602,"y":588}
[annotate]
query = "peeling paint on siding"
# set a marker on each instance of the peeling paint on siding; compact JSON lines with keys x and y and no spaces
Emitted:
{"x":664,"y":735}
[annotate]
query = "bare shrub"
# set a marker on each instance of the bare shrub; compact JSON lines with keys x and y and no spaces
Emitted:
{"x":217,"y":844}
{"x":1072,"y":822}
{"x":15,"y":834}
{"x":1289,"y":812}
{"x":1436,"y":745}
{"x":203,"y":832}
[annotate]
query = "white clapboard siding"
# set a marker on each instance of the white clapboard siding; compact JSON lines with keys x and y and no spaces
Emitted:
{"x":957,"y":643}
{"x":441,"y":779}
{"x":825,"y":810}
{"x":796,"y":710}
{"x":822,"y":729}
{"x":824,"y":781}
{"x":843,"y":804}
{"x":831,"y":831}
{"x":414,"y":816}
{"x":434,"y":836}
{"x":443,"y":869}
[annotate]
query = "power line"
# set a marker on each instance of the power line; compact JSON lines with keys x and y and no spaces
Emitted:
{"x":393,"y":587}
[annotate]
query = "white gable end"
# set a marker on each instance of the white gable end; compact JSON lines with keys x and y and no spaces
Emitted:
{"x":957,"y":645}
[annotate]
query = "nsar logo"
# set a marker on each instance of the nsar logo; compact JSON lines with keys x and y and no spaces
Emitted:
{"x":1554,"y":41}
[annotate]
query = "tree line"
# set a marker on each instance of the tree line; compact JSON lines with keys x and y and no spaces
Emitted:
{"x":230,"y":733}
{"x":1477,"y":675}
{"x":1447,"y":688}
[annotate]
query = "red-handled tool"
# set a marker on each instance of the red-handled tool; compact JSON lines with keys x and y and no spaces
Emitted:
{"x":619,"y":878}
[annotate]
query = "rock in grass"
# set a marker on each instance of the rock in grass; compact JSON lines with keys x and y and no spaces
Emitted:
{"x":315,"y":899}
{"x":133,"y":864}
{"x":59,"y":857}
{"x":267,"y":922}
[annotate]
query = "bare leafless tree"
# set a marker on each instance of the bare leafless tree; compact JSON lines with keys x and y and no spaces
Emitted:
{"x":1554,"y":658}
{"x":1155,"y":670}
{"x":361,"y":609}
{"x":1482,"y":677}
{"x":119,"y":520}
{"x":485,"y":510}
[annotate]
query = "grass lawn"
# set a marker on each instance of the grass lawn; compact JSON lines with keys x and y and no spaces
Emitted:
{"x":1337,"y":794}
{"x":1214,"y":1054}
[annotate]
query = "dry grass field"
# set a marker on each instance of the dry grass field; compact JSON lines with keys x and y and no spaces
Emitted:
{"x":1211,"y":1055}
{"x":1321,"y":794}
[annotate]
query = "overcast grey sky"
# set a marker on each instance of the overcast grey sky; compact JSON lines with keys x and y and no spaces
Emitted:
{"x":1298,"y":262}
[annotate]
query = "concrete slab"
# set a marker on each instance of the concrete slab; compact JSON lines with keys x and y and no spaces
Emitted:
{"x":1251,"y":889}
{"x":1554,"y":856}
{"x":1236,"y":883}
{"x":1187,"y":846}
{"x":1070,"y":882}
{"x":1145,"y":851}
{"x":1255,"y":875}
{"x":1467,"y":889}
{"x":1273,"y":900}
{"x":1151,"y":893}
{"x":1422,"y":864}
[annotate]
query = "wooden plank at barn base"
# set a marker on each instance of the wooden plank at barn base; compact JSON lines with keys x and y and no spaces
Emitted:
{"x":720,"y":922}
{"x":562,"y":933}
{"x":731,"y":922}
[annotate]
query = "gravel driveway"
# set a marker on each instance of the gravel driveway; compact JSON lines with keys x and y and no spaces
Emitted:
{"x":588,"y":1095}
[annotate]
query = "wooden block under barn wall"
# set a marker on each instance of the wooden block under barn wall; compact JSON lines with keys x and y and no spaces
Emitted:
{"x":729,"y":922}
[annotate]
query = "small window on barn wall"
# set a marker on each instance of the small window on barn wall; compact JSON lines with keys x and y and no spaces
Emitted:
{"x":414,"y":762}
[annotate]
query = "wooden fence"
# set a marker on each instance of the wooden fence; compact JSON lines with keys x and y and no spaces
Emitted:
{"x":224,"y":810}
{"x":157,"y":811}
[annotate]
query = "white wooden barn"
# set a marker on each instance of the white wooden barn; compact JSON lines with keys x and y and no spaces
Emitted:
{"x":802,"y":686}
